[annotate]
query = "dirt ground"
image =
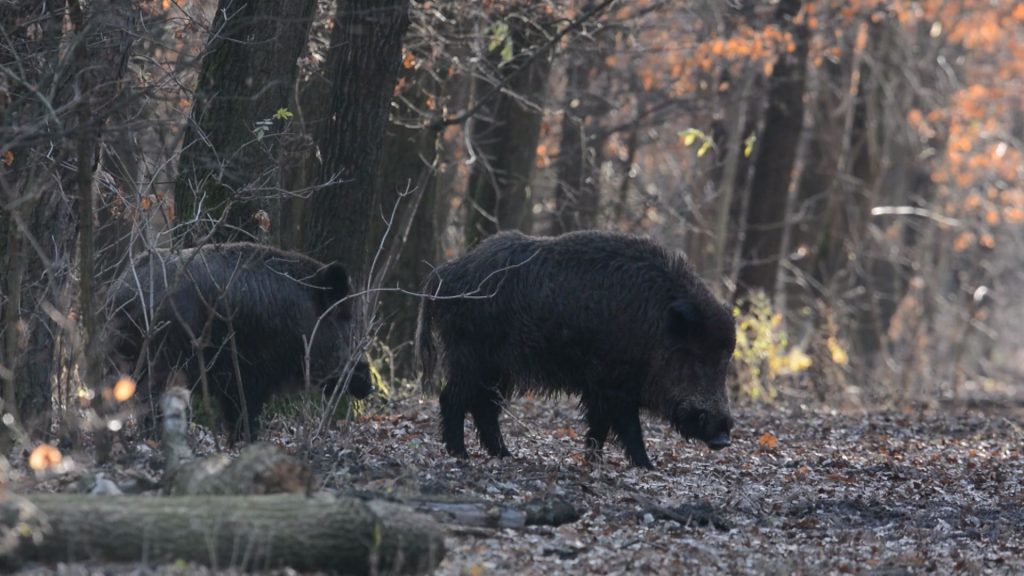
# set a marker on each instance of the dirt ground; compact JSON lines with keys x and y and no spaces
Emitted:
{"x":800,"y":491}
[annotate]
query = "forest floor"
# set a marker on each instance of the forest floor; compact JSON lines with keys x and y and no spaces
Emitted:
{"x":799,"y":491}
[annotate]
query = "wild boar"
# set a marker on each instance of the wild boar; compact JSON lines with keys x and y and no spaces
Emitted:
{"x":615,"y":319}
{"x":230,"y":310}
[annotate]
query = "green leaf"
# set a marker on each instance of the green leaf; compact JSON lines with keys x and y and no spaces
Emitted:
{"x":283,"y":114}
{"x":499,"y":33}
{"x":748,"y":145}
{"x":506,"y":51}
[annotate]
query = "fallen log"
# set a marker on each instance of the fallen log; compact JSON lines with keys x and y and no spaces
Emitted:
{"x":344,"y":535}
{"x":467,"y":512}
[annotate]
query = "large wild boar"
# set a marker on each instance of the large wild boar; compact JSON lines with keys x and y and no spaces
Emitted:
{"x":616,"y":319}
{"x":235,"y":309}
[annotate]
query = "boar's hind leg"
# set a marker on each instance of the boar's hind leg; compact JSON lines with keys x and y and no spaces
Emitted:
{"x":486,"y":408}
{"x":229,"y":398}
{"x":598,"y":424}
{"x":453,"y":416}
{"x":626,"y":424}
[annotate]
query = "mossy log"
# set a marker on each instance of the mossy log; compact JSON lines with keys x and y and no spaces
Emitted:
{"x":342,"y":535}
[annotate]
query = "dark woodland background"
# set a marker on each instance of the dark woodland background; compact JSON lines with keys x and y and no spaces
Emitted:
{"x":848,"y":173}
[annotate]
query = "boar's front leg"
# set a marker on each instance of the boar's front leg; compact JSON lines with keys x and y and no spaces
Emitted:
{"x":230,"y":394}
{"x":626,"y":424}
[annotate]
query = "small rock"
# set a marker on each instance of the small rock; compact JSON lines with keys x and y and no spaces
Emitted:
{"x":105,"y":486}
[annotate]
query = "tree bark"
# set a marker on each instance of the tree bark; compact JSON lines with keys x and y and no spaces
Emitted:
{"x":348,"y":535}
{"x":734,"y":176}
{"x":40,"y":227}
{"x":362,"y":68}
{"x":576,"y":190}
{"x":409,"y":180}
{"x":504,"y":133}
{"x":247,"y":74}
{"x":766,"y":213}
{"x":814,"y":188}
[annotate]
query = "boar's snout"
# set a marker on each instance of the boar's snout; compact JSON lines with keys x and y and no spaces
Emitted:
{"x":719,"y":441}
{"x":716,"y":430}
{"x":361,"y":383}
{"x":712,"y":428}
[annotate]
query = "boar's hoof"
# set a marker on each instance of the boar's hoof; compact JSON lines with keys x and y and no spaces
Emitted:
{"x":460,"y":454}
{"x":719,"y":441}
{"x":645,"y":464}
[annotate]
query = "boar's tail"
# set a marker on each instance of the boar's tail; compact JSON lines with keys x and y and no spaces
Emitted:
{"x":425,"y":352}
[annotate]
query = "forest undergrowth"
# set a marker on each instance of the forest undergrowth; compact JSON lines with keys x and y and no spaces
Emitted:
{"x":801,"y":490}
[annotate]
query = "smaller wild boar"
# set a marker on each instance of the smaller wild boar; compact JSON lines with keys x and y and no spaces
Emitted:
{"x":616,"y":319}
{"x":239,"y":309}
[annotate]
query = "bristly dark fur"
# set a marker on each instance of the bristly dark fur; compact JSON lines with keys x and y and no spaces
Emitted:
{"x":613,"y":318}
{"x":268,"y":299}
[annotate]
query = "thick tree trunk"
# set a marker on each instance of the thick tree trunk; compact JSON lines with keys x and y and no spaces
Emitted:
{"x":40,"y":223}
{"x":247,"y":74}
{"x":47,"y":195}
{"x":362,"y":68}
{"x":766,"y":212}
{"x":504,"y":133}
{"x":347,"y":535}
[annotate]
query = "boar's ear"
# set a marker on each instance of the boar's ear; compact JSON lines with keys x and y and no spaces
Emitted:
{"x":333,"y":280}
{"x":685,"y":322}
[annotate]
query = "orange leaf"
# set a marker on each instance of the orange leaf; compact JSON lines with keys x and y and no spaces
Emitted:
{"x":44,"y":457}
{"x":963,"y":241}
{"x":8,"y":158}
{"x":767,"y":441}
{"x":124,"y":389}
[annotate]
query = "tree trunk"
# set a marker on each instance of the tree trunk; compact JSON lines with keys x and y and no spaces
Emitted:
{"x":47,"y":196}
{"x":576,"y":190}
{"x":817,"y":182}
{"x":122,"y":159}
{"x":362,"y":67}
{"x":734,"y":176}
{"x":40,"y":221}
{"x":409,"y":180}
{"x":247,"y":532}
{"x":504,"y":132}
{"x":247,"y":74}
{"x":766,"y":213}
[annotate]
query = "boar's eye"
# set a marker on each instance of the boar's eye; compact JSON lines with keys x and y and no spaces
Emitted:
{"x":333,"y":281}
